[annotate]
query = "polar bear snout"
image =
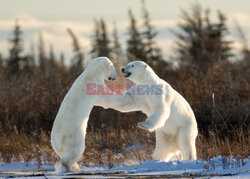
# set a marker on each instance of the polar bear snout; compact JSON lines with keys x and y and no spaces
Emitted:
{"x":112,"y":76}
{"x":134,"y":70}
{"x":126,"y":73}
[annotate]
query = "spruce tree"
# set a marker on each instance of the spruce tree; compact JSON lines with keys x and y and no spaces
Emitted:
{"x":245,"y":51}
{"x":15,"y":50}
{"x":135,"y":46}
{"x":1,"y":62}
{"x":116,"y":46}
{"x":96,"y":39}
{"x":62,"y":65}
{"x":101,"y":42}
{"x":105,"y":49}
{"x":31,"y":61}
{"x":77,"y":50}
{"x":152,"y":52}
{"x":2,"y":70}
{"x":41,"y":53}
{"x":52,"y":65}
{"x":201,"y":43}
{"x":117,"y":54}
{"x":52,"y":58}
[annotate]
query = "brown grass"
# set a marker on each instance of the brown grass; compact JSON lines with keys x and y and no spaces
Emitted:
{"x":111,"y":147}
{"x":29,"y":103}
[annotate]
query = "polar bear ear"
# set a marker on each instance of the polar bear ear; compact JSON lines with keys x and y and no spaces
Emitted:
{"x":145,"y":66}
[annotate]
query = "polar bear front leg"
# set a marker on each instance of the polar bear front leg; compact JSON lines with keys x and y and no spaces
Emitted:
{"x":146,"y":125}
{"x":161,"y":112}
{"x":156,"y":120}
{"x":149,"y":125}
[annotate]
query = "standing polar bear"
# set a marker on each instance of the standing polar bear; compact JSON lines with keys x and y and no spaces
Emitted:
{"x":168,"y":112}
{"x":69,"y":128}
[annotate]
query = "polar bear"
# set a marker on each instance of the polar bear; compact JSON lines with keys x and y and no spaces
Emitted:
{"x":169,"y":114}
{"x":69,"y":128}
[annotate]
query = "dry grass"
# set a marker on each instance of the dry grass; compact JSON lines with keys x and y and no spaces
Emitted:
{"x":112,"y":147}
{"x":235,"y":146}
{"x":18,"y":146}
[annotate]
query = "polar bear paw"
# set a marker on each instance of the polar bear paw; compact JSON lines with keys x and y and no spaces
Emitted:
{"x":75,"y":167}
{"x":146,"y":126}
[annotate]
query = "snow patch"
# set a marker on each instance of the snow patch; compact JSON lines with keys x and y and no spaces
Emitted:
{"x":216,"y":167}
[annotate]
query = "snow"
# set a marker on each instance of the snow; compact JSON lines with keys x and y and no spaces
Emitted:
{"x":216,"y":167}
{"x":22,"y":166}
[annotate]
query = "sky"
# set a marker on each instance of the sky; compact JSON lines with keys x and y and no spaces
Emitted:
{"x":53,"y":17}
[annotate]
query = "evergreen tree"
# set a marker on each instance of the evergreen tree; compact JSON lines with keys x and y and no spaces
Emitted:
{"x":202,"y":44}
{"x":96,"y":39}
{"x":117,"y":54}
{"x":1,"y":62}
{"x":245,"y":51}
{"x":29,"y":60}
{"x":32,"y":55}
{"x":52,"y":58}
{"x":77,"y":50}
{"x":152,"y":52}
{"x":116,"y":47}
{"x":52,"y":65}
{"x":62,"y":60}
{"x":42,"y":53}
{"x":101,"y":42}
{"x":218,"y":45}
{"x":105,"y":49}
{"x":135,"y":46}
{"x":2,"y":70}
{"x":16,"y":50}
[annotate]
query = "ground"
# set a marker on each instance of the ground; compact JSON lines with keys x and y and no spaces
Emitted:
{"x":216,"y":167}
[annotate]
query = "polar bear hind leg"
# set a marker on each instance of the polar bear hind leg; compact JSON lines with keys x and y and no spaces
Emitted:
{"x":72,"y":152}
{"x":166,"y":146}
{"x":68,"y":162}
{"x":186,"y":143}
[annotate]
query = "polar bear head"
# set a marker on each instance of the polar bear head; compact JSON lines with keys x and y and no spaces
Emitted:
{"x":101,"y":67}
{"x":137,"y":71}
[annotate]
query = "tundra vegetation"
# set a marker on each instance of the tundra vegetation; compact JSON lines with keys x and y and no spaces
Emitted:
{"x":204,"y":68}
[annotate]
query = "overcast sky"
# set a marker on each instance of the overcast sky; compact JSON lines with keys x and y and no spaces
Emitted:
{"x":52,"y":17}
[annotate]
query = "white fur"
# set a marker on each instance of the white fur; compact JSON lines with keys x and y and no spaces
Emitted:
{"x":69,"y":128}
{"x":169,"y":114}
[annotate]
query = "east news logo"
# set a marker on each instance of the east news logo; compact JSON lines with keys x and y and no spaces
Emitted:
{"x":130,"y":89}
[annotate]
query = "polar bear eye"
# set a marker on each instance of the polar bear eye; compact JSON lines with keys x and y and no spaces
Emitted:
{"x":132,"y":65}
